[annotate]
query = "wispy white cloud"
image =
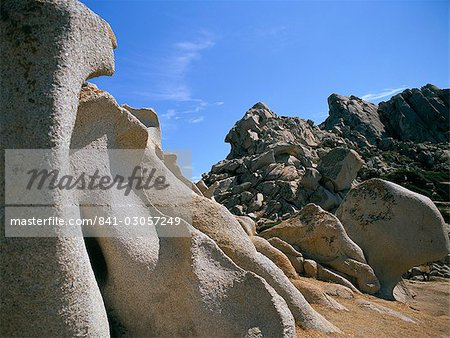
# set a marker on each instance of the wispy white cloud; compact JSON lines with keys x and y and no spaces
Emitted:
{"x":172,"y":84}
{"x":276,"y":31}
{"x":205,"y":41}
{"x":384,"y":93}
{"x":169,"y":114}
{"x":170,"y":80}
{"x":268,"y":32}
{"x":194,"y":107}
{"x":197,"y":119}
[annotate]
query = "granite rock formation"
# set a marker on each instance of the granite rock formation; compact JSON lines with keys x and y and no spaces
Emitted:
{"x":358,"y":119}
{"x":418,"y":115}
{"x":126,"y":283}
{"x":270,"y":172}
{"x":403,"y":140}
{"x":273,"y":168}
{"x":396,"y":229}
{"x":215,"y":277}
{"x":141,"y":269}
{"x":320,"y":236}
{"x":48,"y":48}
{"x":277,"y":164}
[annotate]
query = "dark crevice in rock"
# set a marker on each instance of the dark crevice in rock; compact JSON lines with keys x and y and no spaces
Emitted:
{"x":100,"y":268}
{"x":98,"y":262}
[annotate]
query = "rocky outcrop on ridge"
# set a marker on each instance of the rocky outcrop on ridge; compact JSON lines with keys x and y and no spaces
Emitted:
{"x":403,"y":140}
{"x":357,"y":119}
{"x":270,"y":172}
{"x":275,"y":165}
{"x":278,"y":165}
{"x":418,"y":115}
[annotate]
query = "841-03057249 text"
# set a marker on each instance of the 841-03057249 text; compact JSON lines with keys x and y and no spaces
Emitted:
{"x":98,"y":220}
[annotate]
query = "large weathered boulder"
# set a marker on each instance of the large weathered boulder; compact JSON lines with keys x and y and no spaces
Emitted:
{"x":201,"y":186}
{"x":247,"y":224}
{"x":317,"y":271}
{"x":215,"y":221}
{"x":340,"y":166}
{"x":48,"y":48}
{"x":407,"y":224}
{"x":202,"y":291}
{"x":188,"y":263}
{"x":319,"y":235}
{"x":315,"y":295}
{"x":325,"y":198}
{"x":149,"y":118}
{"x":53,"y":278}
{"x":311,"y":179}
{"x":210,"y":218}
{"x":170,"y":160}
{"x":220,"y":225}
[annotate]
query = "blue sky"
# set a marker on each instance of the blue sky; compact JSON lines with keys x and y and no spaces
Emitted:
{"x":202,"y":64}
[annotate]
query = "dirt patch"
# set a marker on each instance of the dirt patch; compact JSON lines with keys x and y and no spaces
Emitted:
{"x":429,"y":309}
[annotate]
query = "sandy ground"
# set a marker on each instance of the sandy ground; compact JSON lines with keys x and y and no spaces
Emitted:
{"x":429,"y":309}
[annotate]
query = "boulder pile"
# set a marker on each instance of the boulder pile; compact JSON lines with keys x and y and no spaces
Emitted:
{"x":279,"y":164}
{"x":290,"y":176}
{"x":320,"y":236}
{"x":272,"y":170}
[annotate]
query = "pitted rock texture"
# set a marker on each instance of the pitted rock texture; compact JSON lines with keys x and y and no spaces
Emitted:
{"x":137,"y":286}
{"x":48,"y":48}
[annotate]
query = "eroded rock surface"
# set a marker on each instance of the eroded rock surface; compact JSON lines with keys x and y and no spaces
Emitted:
{"x":48,"y":48}
{"x":395,"y":227}
{"x":356,"y":118}
{"x":270,"y":172}
{"x":320,"y":236}
{"x":182,"y":268}
{"x":340,"y":166}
